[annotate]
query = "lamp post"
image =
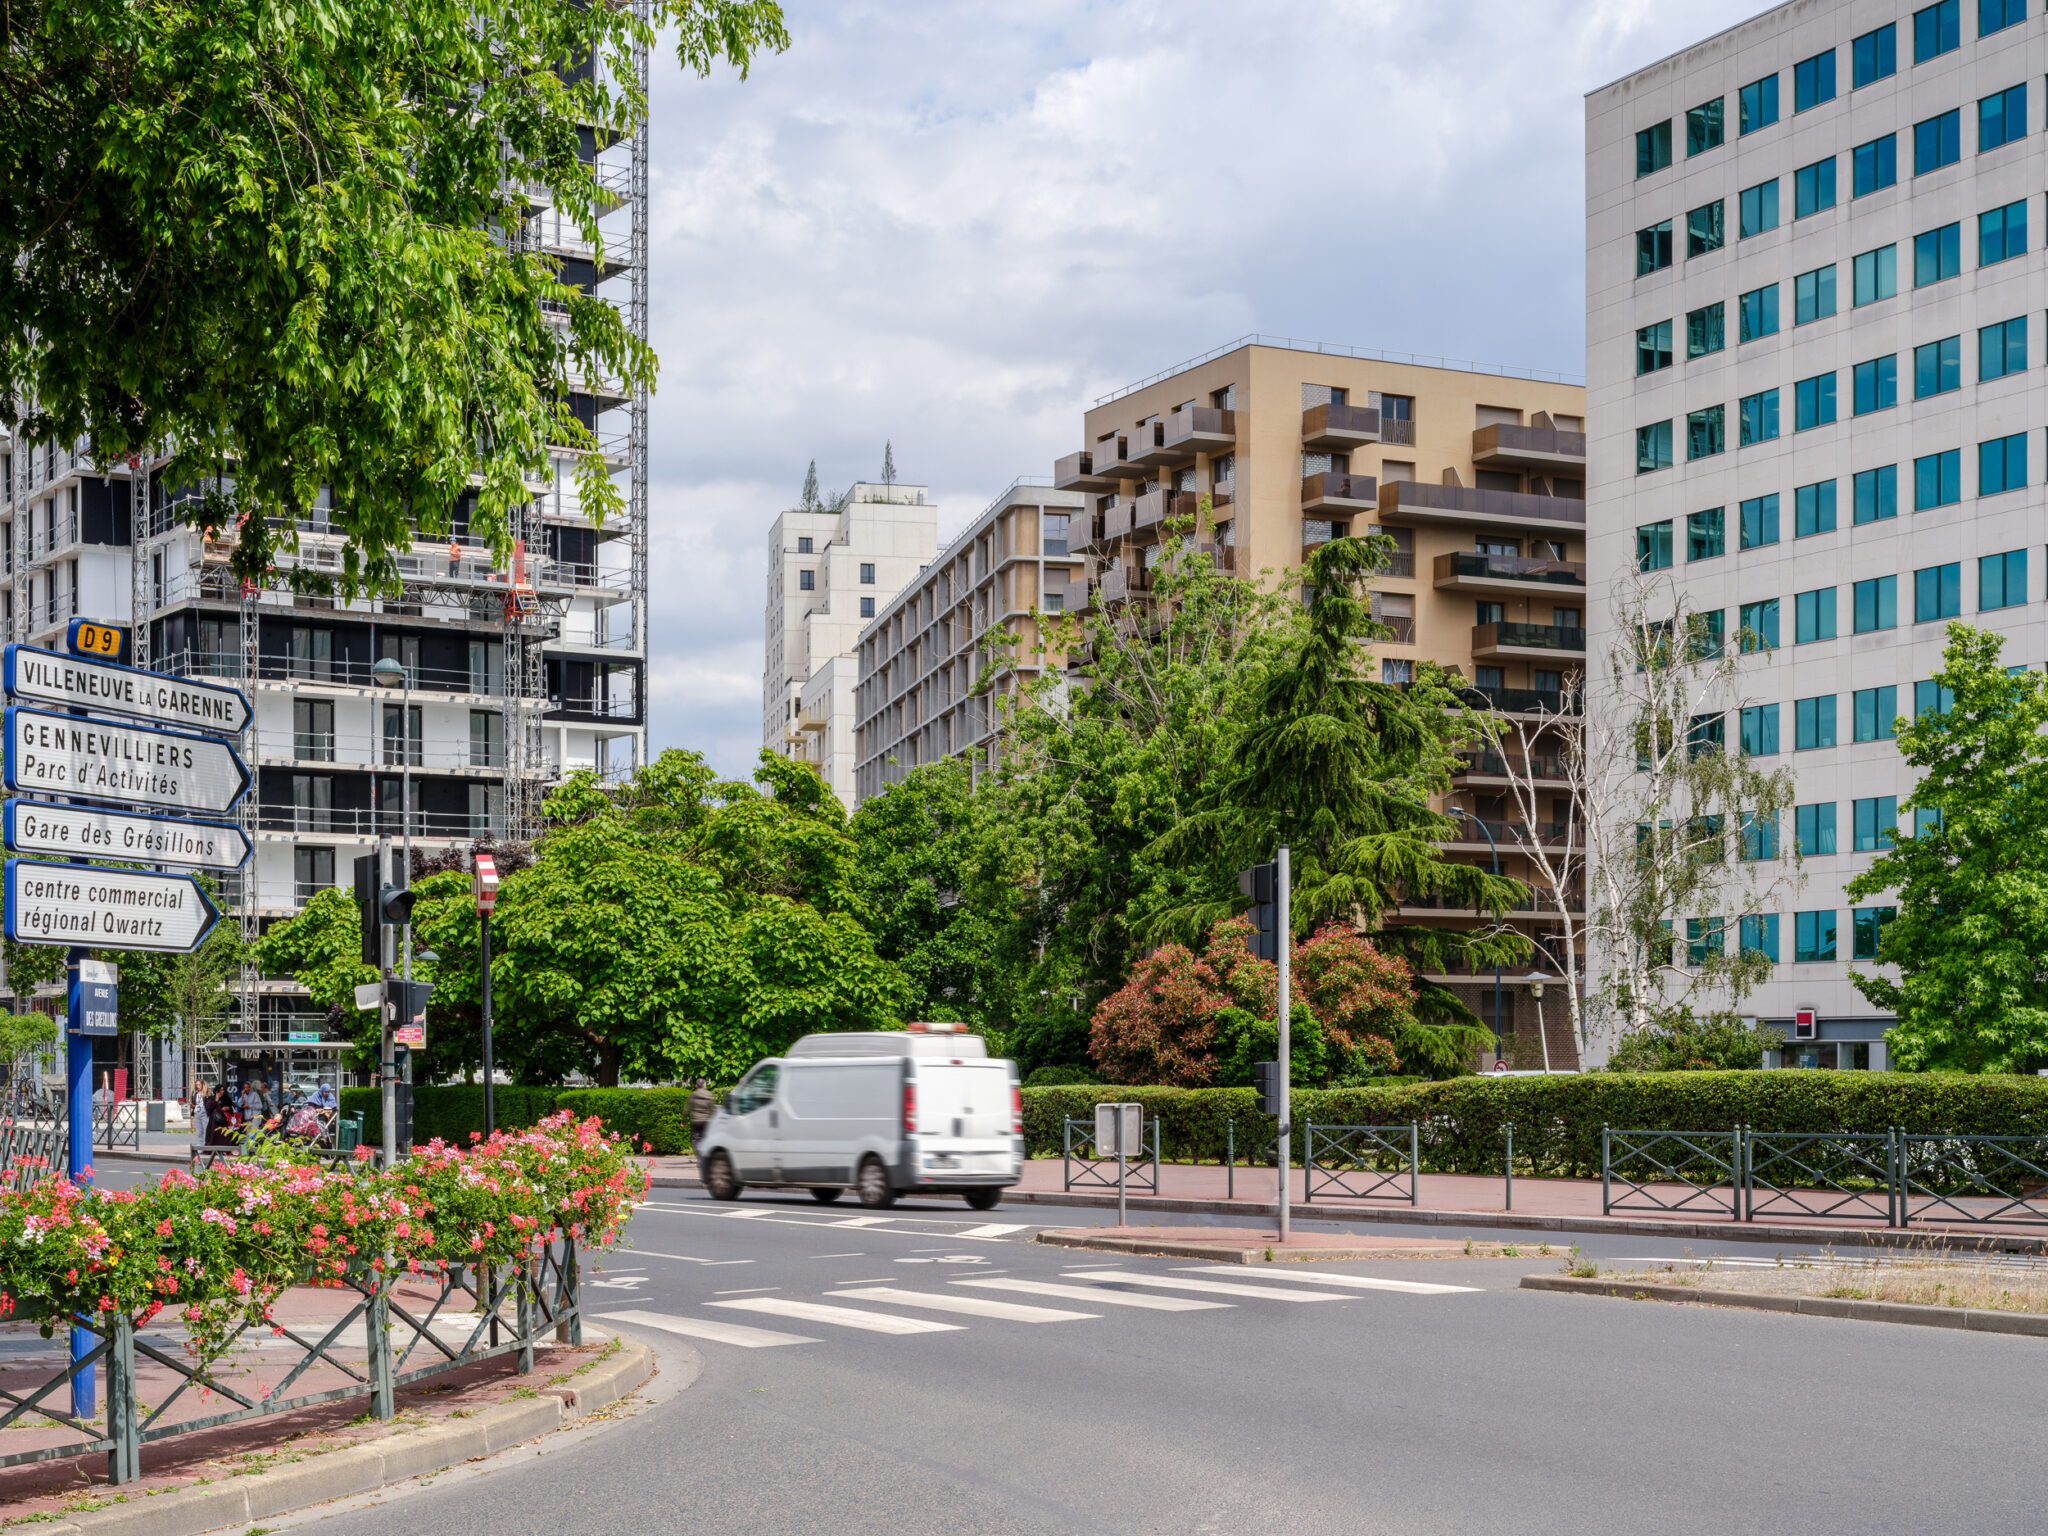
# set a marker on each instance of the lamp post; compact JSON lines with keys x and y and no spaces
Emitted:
{"x":1536,"y":996}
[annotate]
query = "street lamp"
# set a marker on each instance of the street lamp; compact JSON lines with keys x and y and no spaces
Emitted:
{"x":1536,"y":996}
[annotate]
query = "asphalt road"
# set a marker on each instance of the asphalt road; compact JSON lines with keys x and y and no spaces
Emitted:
{"x":1309,"y":1405}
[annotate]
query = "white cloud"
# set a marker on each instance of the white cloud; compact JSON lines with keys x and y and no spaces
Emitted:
{"x":954,"y":225}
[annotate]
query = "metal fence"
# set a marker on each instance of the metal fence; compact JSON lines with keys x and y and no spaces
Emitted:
{"x":474,"y":1315}
{"x":1671,"y":1171}
{"x":1084,"y":1169}
{"x":1362,"y":1162}
{"x":29,"y":1148}
{"x":1838,"y":1175}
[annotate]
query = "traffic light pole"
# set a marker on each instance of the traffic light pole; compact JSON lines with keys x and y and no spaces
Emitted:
{"x":1285,"y":1156}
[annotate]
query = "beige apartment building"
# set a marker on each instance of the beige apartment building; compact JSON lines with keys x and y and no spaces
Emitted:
{"x":928,"y":684}
{"x":1477,"y":475}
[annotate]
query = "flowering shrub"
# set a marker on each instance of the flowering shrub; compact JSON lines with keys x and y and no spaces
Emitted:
{"x":225,"y":1245}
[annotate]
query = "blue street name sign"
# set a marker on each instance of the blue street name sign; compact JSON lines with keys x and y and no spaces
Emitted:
{"x":98,"y":1008}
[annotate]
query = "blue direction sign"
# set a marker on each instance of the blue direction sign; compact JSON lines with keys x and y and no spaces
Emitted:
{"x":53,"y":754}
{"x":105,"y":688}
{"x":105,"y":908}
{"x":94,"y":832}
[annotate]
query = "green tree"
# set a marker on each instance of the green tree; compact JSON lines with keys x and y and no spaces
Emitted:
{"x":271,"y":236}
{"x":1971,"y":922}
{"x":1680,"y":1042}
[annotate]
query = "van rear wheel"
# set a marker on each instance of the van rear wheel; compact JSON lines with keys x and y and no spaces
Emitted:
{"x":825,"y":1196}
{"x":720,"y":1182}
{"x":981,"y":1199}
{"x":872,"y":1184}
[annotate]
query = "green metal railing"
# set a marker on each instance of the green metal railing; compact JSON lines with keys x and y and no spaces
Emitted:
{"x":1084,"y":1169}
{"x":1362,"y":1162}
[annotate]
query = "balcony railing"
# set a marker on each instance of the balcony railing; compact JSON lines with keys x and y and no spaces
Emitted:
{"x":363,"y":750}
{"x":1523,"y":701}
{"x":1492,"y":765}
{"x":1076,"y":472}
{"x":1487,"y":638}
{"x":1400,"y":628}
{"x":592,"y":706}
{"x":1466,"y":504}
{"x":1146,"y":447}
{"x":1355,"y":493}
{"x":1401,"y":563}
{"x":313,"y":746}
{"x":1200,"y":429}
{"x":1470,"y":567}
{"x":362,"y":823}
{"x":1528,"y":447}
{"x":1339,"y":426}
{"x":1508,"y":834}
{"x":1394,"y":432}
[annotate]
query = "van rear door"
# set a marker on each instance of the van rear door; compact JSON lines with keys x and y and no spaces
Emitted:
{"x":963,"y":1119}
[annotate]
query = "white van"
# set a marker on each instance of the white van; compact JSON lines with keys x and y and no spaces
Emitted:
{"x":922,"y":1111}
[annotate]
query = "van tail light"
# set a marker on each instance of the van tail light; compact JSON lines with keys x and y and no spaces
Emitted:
{"x":909,"y":1107}
{"x":1016,"y":1110}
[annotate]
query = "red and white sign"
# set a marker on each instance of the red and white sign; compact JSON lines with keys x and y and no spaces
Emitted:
{"x":1805,"y":1024}
{"x":410,"y":1034}
{"x":486,"y":883}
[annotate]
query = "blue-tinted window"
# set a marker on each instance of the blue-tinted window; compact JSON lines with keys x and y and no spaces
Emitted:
{"x":1938,"y":254}
{"x":1760,"y":730}
{"x":1875,"y":820}
{"x":1813,"y":81}
{"x":1813,"y":295}
{"x":1706,"y":432}
{"x":1759,"y":311}
{"x":2002,"y":233}
{"x":1653,"y":148}
{"x":1653,"y":347}
{"x":1759,"y":417}
{"x":1706,"y":329}
{"x":1937,"y":593}
{"x":1813,"y":723}
{"x":1932,"y":698}
{"x":2002,"y":580}
{"x":1877,"y":385}
{"x":1876,"y":710}
{"x":1703,"y":127}
{"x":1653,"y":546}
{"x":1813,"y":509}
{"x":1873,"y":56}
{"x":1938,"y":367}
{"x":1704,"y":230}
{"x":1997,"y":15}
{"x":1877,"y":274}
{"x":1704,"y":937}
{"x":1814,"y":827}
{"x":1813,"y":617}
{"x":1937,"y":29}
{"x":1760,"y":521}
{"x":1653,"y":447}
{"x":867,"y":607}
{"x":1874,"y":166}
{"x":1758,"y":104}
{"x":1937,"y":141}
{"x":1926,"y":820}
{"x":1813,"y":402}
{"x":1759,"y":932}
{"x":1813,"y":936}
{"x":2002,"y":348}
{"x":1937,"y":479}
{"x":1706,"y":534}
{"x":1759,"y":629}
{"x":2002,"y":117}
{"x":1759,"y":209}
{"x":1653,"y":248}
{"x":1813,"y":187}
{"x":1869,"y":923}
{"x":2002,"y":464}
{"x":1877,"y":604}
{"x":1877,"y":494}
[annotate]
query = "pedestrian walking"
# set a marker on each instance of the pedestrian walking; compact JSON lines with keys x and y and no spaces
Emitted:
{"x":703,"y":1105}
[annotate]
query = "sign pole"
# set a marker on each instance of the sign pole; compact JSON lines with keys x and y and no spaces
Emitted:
{"x":386,"y":1080}
{"x":1123,"y":1218}
{"x":78,"y":1086}
{"x":1286,"y":1156}
{"x":490,"y":1068}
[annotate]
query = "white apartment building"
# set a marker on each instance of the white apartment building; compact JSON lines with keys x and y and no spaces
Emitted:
{"x":830,"y":570}
{"x":1815,"y":380}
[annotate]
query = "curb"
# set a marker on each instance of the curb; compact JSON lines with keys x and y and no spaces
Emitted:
{"x":367,"y":1468}
{"x":1257,"y":1254}
{"x":1709,"y":1231}
{"x":2030,"y":1324}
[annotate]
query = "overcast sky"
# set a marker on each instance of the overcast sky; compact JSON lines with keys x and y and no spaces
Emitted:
{"x":953,"y":226}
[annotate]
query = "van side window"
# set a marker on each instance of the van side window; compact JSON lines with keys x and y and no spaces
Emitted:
{"x":756,"y":1091}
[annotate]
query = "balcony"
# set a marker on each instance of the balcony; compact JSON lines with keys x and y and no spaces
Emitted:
{"x":1332,"y":492}
{"x":1110,"y":462}
{"x":1400,"y":628}
{"x":1473,"y":833}
{"x":1116,"y":522}
{"x":1490,"y":767}
{"x":1076,"y":472}
{"x":1200,"y":429}
{"x":1507,"y":575}
{"x":1411,"y":501}
{"x":1339,"y":426}
{"x":1523,"y":701}
{"x":1533,"y":641}
{"x":1395,"y":433}
{"x":1150,"y":509}
{"x":1146,"y":447}
{"x":361,"y":824}
{"x":1505,"y":446}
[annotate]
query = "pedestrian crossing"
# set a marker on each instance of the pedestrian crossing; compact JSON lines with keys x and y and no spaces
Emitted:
{"x":1076,"y":1296}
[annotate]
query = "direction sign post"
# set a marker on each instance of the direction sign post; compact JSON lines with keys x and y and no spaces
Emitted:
{"x":86,"y":831}
{"x":73,"y":682}
{"x":52,"y":754}
{"x":98,"y":908}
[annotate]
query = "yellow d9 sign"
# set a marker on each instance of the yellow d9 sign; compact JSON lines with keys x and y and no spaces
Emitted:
{"x":102,"y":640}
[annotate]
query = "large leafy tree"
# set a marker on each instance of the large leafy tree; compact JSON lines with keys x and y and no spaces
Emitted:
{"x":272,"y":238}
{"x":1971,"y":924}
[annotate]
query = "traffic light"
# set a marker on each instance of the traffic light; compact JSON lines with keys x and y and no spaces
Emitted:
{"x":1266,"y":1087}
{"x":408,"y":999}
{"x":366,"y":908}
{"x":1262,"y":884}
{"x":394,"y":905}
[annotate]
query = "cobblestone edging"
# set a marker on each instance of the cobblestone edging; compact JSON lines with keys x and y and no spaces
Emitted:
{"x":236,"y":1501}
{"x":1973,"y":1320}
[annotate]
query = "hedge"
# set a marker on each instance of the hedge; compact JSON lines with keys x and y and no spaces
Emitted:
{"x":451,"y":1112}
{"x":1557,"y":1120}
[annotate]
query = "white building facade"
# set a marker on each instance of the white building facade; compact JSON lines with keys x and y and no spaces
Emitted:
{"x":1815,"y":391}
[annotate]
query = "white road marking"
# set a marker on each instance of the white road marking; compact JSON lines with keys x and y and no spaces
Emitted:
{"x":973,"y":1306}
{"x":707,"y":1328}
{"x":794,"y":1217}
{"x":995,"y":1229}
{"x":844,"y":1317}
{"x":1361,"y":1282}
{"x":855,"y":1221}
{"x":1217,"y":1287}
{"x":685,"y":1258}
{"x":1101,"y":1296}
{"x":747,"y":1290}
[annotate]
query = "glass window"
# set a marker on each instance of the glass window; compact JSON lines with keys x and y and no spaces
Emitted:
{"x":1653,"y":447}
{"x":1926,"y":820}
{"x":1759,"y":417}
{"x":1759,"y":837}
{"x":2002,"y":464}
{"x":1938,"y":254}
{"x":1997,"y":15}
{"x":1813,"y":81}
{"x":1706,"y":432}
{"x":1653,"y":347}
{"x":2002,"y":580}
{"x":1813,"y":187}
{"x":1813,"y":936}
{"x":1757,"y":104}
{"x":2002,"y":348}
{"x":2002,"y":117}
{"x":1937,"y":593}
{"x":1869,"y":924}
{"x":1653,"y":248}
{"x":1877,"y":274}
{"x":1653,"y":546}
{"x":1937,"y":29}
{"x":1874,"y":166}
{"x":1877,"y":494}
{"x":1703,"y":229}
{"x":1759,"y":935}
{"x":867,"y":575}
{"x":1813,"y":295}
{"x":1760,"y":625}
{"x":1709,"y":636}
{"x":807,"y":581}
{"x":1813,"y":402}
{"x":803,"y":546}
{"x":1938,"y":141}
{"x":1877,"y":385}
{"x":1759,"y":208}
{"x":1932,"y":698}
{"x":1760,"y":521}
{"x":1813,"y":722}
{"x":1704,"y":936}
{"x":1706,"y":534}
{"x":1703,"y":130}
{"x":1759,"y":310}
{"x":2002,"y":233}
{"x":1706,"y":329}
{"x":1938,"y":367}
{"x":1813,"y":617}
{"x":1813,"y":509}
{"x":1938,"y":479}
{"x":1760,"y":730}
{"x":1876,"y":819}
{"x":1873,"y":56}
{"x":1877,"y":604}
{"x":1653,"y":147}
{"x":1876,"y":710}
{"x":1814,"y":827}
